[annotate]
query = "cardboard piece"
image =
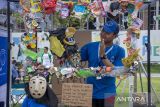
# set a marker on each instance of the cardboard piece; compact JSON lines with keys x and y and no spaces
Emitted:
{"x":57,"y":84}
{"x":77,"y":94}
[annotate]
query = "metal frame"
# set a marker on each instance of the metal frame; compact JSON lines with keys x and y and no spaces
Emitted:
{"x":9,"y":47}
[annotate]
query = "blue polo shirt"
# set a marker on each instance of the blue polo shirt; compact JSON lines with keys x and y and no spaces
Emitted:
{"x":105,"y":87}
{"x":28,"y":102}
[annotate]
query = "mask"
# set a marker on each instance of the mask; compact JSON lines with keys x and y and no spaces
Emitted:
{"x":37,"y":86}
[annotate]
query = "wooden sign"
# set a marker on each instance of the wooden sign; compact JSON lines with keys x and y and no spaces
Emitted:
{"x":77,"y":94}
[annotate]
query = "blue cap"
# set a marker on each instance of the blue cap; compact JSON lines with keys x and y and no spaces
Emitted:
{"x":111,"y":27}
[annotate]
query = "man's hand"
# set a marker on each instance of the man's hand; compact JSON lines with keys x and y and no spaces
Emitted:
{"x":102,"y":48}
{"x":102,"y":54}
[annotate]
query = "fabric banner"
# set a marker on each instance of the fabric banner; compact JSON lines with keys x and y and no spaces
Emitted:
{"x":3,"y":66}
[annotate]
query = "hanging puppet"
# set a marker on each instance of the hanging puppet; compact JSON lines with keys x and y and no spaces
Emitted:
{"x":39,"y":94}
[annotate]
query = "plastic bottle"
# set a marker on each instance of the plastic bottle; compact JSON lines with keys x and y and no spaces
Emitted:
{"x":114,"y":71}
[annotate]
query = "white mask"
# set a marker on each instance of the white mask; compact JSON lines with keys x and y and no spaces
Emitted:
{"x":37,"y":86}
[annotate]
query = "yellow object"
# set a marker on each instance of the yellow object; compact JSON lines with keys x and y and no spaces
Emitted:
{"x":84,"y":1}
{"x":56,"y":46}
{"x":128,"y":45}
{"x":34,"y":23}
{"x":33,"y":45}
{"x":137,"y":32}
{"x":128,"y":61}
{"x":27,"y":38}
{"x":33,"y":2}
{"x":34,"y":37}
{"x":35,"y":6}
{"x":70,"y":31}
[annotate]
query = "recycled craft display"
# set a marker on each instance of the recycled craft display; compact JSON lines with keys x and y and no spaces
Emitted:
{"x":59,"y":46}
{"x":36,"y":12}
{"x":62,"y":42}
{"x":129,"y":9}
{"x":98,"y":72}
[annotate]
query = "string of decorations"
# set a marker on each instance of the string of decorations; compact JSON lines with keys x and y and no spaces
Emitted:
{"x":62,"y":43}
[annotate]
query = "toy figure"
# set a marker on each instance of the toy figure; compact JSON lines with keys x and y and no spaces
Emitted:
{"x":39,"y":94}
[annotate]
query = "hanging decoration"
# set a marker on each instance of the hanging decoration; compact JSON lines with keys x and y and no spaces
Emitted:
{"x":35,"y":6}
{"x":79,"y":10}
{"x":133,"y":33}
{"x":29,"y":40}
{"x":64,"y":12}
{"x":95,"y":8}
{"x":39,"y":10}
{"x":98,"y":72}
{"x":62,"y":42}
{"x":29,"y":53}
{"x":101,"y":7}
{"x":36,"y":13}
{"x":84,"y":2}
{"x":49,"y":6}
{"x":138,"y":5}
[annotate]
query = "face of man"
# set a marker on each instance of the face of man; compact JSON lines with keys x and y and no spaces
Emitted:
{"x":108,"y":37}
{"x":45,"y":50}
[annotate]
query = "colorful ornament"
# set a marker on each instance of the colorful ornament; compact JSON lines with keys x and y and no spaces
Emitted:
{"x":84,"y":2}
{"x":49,"y":6}
{"x":64,"y":12}
{"x":79,"y":10}
{"x":137,"y":23}
{"x":95,"y":8}
{"x":130,"y":8}
{"x":35,"y":6}
{"x":101,"y":7}
{"x":33,"y":45}
{"x":128,"y":61}
{"x":30,"y":54}
{"x":84,"y":73}
{"x":138,"y":6}
{"x":56,"y":46}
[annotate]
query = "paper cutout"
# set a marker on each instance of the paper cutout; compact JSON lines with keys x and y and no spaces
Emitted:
{"x":64,"y":12}
{"x":30,"y":53}
{"x":56,"y":46}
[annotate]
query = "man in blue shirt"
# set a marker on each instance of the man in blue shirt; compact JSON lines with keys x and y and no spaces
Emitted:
{"x":104,"y":53}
